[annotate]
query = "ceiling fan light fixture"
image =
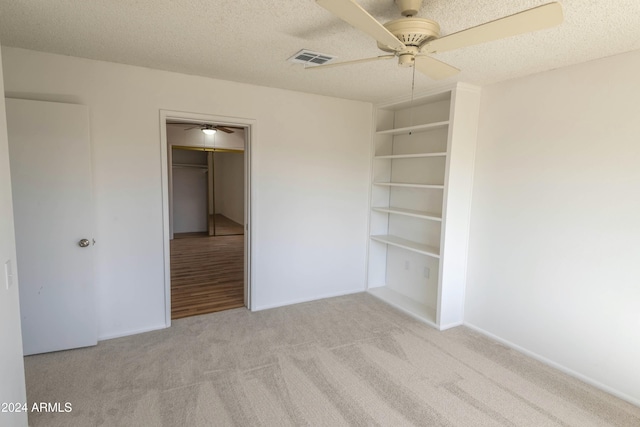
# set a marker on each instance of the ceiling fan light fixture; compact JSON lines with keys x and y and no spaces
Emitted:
{"x":208,"y":130}
{"x":406,"y":60}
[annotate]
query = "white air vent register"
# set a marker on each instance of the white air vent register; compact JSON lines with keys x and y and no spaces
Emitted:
{"x":308,"y":57}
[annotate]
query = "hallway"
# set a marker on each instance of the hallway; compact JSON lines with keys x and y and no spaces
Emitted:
{"x":207,"y":274}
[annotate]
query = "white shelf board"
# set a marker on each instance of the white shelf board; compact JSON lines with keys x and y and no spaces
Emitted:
{"x":409,"y":212}
{"x":411,"y":156}
{"x":409,"y":184}
{"x":405,"y":304}
{"x":415,"y":128}
{"x":407,"y":244}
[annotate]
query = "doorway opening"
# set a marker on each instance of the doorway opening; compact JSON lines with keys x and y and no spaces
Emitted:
{"x":207,"y":211}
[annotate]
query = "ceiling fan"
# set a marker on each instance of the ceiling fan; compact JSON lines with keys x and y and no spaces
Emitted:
{"x":412,"y":39}
{"x":209,"y":129}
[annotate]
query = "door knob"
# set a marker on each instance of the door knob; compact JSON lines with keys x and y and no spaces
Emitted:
{"x":83,"y":243}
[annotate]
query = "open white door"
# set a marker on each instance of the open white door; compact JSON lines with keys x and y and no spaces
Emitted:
{"x":50,"y":161}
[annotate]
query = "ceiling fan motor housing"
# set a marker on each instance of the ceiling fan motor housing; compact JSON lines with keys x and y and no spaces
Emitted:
{"x":412,"y":31}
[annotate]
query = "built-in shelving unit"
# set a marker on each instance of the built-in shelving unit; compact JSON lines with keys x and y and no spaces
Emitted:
{"x":422,"y":170}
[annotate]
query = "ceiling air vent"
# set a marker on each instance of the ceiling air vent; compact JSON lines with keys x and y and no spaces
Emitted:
{"x":308,"y":57}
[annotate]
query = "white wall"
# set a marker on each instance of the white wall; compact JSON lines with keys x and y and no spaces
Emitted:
{"x":229,"y":185}
{"x":554,"y":259}
{"x":309,"y":166}
{"x":12,"y":385}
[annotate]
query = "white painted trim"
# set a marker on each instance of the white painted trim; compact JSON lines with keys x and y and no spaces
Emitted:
{"x":454,"y":94}
{"x":250,"y":139}
{"x":302,"y":300}
{"x":555,"y":365}
{"x":249,"y":197}
{"x":166,"y":231}
{"x":445,"y":205}
{"x":371,"y":154}
{"x":450,"y":325}
{"x":133,"y":332}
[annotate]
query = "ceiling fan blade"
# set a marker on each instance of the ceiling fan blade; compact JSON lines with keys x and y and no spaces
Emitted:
{"x":224,"y":129}
{"x":357,"y":17}
{"x":192,"y":127}
{"x":541,"y":17}
{"x":433,"y":68}
{"x":355,"y":61}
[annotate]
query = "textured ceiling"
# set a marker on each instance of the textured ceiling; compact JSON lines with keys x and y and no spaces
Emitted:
{"x":249,"y":41}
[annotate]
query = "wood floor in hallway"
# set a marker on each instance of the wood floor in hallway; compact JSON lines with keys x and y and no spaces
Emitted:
{"x":207,"y":274}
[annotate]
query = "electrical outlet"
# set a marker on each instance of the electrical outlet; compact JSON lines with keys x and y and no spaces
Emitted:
{"x":8,"y":274}
{"x":427,"y":272}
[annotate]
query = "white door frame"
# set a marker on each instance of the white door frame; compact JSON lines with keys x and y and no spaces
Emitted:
{"x":250,"y":137}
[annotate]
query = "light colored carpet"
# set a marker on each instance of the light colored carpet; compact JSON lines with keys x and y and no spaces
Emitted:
{"x":342,"y":361}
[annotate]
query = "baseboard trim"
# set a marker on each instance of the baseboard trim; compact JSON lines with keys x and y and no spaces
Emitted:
{"x":302,"y":300}
{"x":556,"y":365}
{"x":134,"y":332}
{"x":450,"y":325}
